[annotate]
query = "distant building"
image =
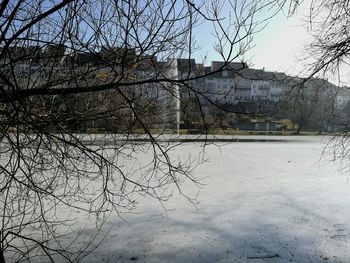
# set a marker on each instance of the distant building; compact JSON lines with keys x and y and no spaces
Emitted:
{"x":180,"y":92}
{"x":235,"y":82}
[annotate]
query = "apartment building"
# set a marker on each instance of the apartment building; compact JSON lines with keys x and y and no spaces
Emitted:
{"x":171,"y":93}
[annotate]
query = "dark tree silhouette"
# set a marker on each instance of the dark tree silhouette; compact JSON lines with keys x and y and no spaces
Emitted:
{"x":71,"y":68}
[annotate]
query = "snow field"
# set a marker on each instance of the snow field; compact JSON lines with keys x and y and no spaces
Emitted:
{"x":260,"y":202}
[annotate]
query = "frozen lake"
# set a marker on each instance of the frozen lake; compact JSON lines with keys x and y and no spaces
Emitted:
{"x":260,"y":202}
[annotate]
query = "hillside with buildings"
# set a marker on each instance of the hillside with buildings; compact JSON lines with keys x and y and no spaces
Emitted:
{"x":137,"y":90}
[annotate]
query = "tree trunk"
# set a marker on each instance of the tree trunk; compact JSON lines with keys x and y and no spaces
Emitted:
{"x":299,"y":129}
{"x":2,"y":259}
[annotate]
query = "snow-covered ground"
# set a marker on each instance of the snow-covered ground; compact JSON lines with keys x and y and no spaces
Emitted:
{"x":261,"y":202}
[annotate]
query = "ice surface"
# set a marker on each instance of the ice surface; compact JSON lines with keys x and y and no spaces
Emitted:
{"x":261,"y":202}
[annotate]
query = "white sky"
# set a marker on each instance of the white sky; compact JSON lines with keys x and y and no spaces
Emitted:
{"x":277,"y":47}
{"x":281,"y":45}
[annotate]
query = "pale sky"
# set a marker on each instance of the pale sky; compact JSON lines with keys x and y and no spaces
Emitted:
{"x":278,"y":47}
{"x":281,"y":45}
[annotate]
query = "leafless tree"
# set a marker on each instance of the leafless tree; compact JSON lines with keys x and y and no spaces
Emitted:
{"x":310,"y":106}
{"x":328,"y":21}
{"x":70,"y":68}
{"x":328,"y":55}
